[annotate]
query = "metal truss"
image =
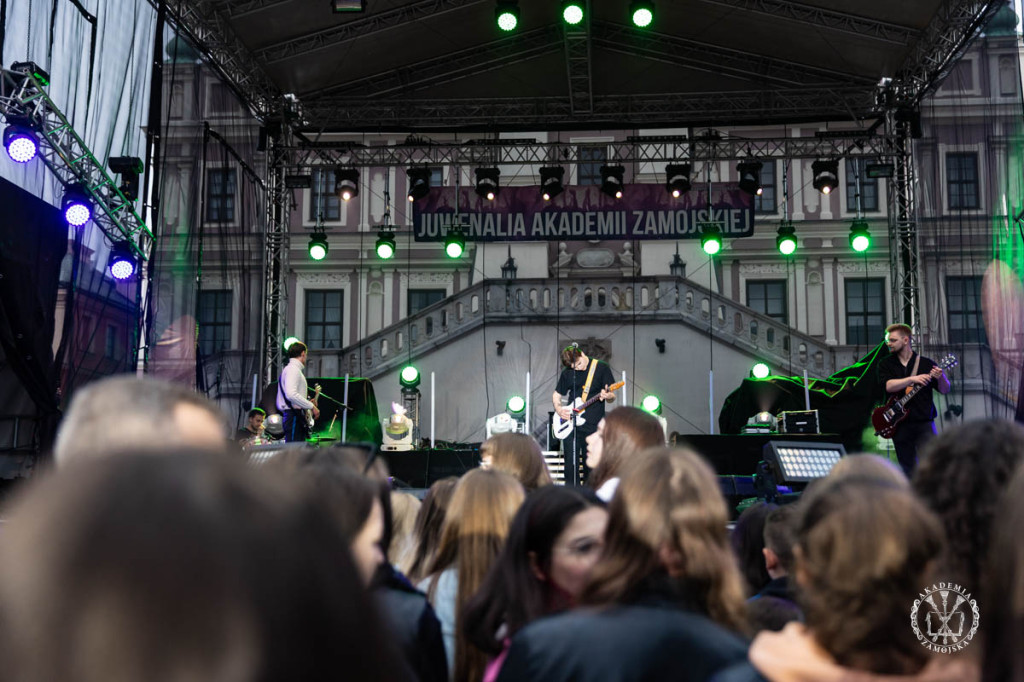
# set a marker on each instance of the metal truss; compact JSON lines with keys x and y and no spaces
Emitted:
{"x":275,"y":260}
{"x":635,"y":150}
{"x":577,"y":62}
{"x":904,"y":263}
{"x":820,"y":17}
{"x":70,"y":160}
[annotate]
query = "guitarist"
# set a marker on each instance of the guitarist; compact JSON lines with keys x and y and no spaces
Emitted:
{"x":291,"y":395}
{"x":901,"y":370}
{"x":572,"y":384}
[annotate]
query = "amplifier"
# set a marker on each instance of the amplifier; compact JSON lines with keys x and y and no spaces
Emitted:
{"x":804,"y":421}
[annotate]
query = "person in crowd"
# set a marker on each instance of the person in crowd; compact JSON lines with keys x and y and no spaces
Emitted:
{"x":748,"y":545}
{"x":253,"y":426}
{"x":619,"y":434}
{"x":404,"y":508}
{"x":869,"y":466}
{"x":961,"y":477}
{"x":665,"y":600}
{"x":138,"y":415}
{"x":473,"y":534}
{"x":184,"y":567}
{"x":556,"y":539}
{"x":1003,"y":590}
{"x":427,"y":532}
{"x":518,"y":455}
{"x":775,"y":605}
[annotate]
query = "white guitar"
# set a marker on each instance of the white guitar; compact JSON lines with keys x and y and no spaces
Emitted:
{"x":563,"y":427}
{"x":310,"y":421}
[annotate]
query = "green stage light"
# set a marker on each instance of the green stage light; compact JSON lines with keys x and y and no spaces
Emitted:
{"x":507,"y":15}
{"x":786,"y":241}
{"x":409,"y":377}
{"x":385,"y":245}
{"x":860,"y":238}
{"x":516,"y":405}
{"x":572,"y":12}
{"x":760,"y":371}
{"x":651,"y":403}
{"x":454,"y":244}
{"x":289,"y":341}
{"x":711,"y":239}
{"x":642,"y":13}
{"x":318,"y":246}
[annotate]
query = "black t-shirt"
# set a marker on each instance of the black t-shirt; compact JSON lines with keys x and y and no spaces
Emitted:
{"x":571,"y":383}
{"x":920,"y":407}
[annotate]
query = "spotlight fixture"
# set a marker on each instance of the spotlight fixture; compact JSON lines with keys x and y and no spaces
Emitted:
{"x":860,"y":238}
{"x":318,"y":246}
{"x":487,"y":183}
{"x":76,"y":206}
{"x":385,"y":244}
{"x":826,"y":176}
{"x":802,"y":461}
{"x":516,"y":406}
{"x":288,"y":342}
{"x":642,"y":13}
{"x":760,"y":371}
{"x":409,"y":377}
{"x":710,"y":238}
{"x":507,"y":15}
{"x":572,"y":12}
{"x":651,"y":403}
{"x":419,"y":183}
{"x":611,"y":180}
{"x":121,"y":262}
{"x":750,"y":176}
{"x":454,"y":243}
{"x":677,"y":179}
{"x":786,"y":241}
{"x":551,"y":182}
{"x":346,"y":183}
{"x":20,"y":141}
{"x":129,"y":168}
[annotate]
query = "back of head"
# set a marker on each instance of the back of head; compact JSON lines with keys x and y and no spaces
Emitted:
{"x":184,"y":567}
{"x":668,"y":518}
{"x":427,"y":532}
{"x":627,"y":430}
{"x":404,"y":508}
{"x":780,"y":534}
{"x":128,"y":413}
{"x":863,"y":552}
{"x":747,"y":541}
{"x":520,"y":456}
{"x":961,"y":476}
{"x":869,"y":466}
{"x":1004,"y":590}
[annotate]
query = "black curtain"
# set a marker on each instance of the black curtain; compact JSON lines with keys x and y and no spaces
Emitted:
{"x":33,"y":241}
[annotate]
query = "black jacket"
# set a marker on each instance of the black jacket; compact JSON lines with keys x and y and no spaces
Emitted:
{"x":413,"y":625}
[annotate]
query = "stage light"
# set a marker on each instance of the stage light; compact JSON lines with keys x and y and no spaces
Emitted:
{"x":121,"y":262}
{"x":20,"y":141}
{"x":318,"y":246}
{"x":487,"y":183}
{"x":762,"y":422}
{"x":651,"y":403}
{"x":346,"y":6}
{"x":826,"y":176}
{"x":129,"y":168}
{"x":507,"y":15}
{"x":454,"y":243}
{"x":611,"y":180}
{"x":289,"y":341}
{"x":572,"y":12}
{"x":419,"y":183}
{"x":750,"y":176}
{"x":409,"y":377}
{"x":76,"y":206}
{"x":346,"y":183}
{"x":786,"y":241}
{"x":385,"y":244}
{"x":710,"y":238}
{"x":516,"y":406}
{"x":860,"y":238}
{"x":642,"y":13}
{"x":760,"y":371}
{"x":677,"y":179}
{"x":551,"y":182}
{"x":800,"y":461}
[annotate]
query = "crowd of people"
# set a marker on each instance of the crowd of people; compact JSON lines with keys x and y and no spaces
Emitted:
{"x":173,"y":558}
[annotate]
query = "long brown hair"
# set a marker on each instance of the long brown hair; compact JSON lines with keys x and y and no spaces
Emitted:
{"x":475,"y":528}
{"x":519,"y":455}
{"x":427,"y":531}
{"x":669,"y":502}
{"x":626,"y":431}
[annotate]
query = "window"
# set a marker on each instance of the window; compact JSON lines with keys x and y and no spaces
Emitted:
{"x":868,"y":187}
{"x":323,"y":319}
{"x":766,"y":202}
{"x":323,"y":185}
{"x":214,"y":321}
{"x":424,"y":298}
{"x":1009,"y":76}
{"x":962,"y":180}
{"x":437,"y":177}
{"x":110,"y":348}
{"x":220,"y":195}
{"x":963,"y":299}
{"x":768,"y":297}
{"x":865,"y":311}
{"x":588,"y":168}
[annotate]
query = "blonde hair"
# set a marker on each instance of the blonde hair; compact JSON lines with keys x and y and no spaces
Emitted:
{"x":872,"y":467}
{"x":520,"y":456}
{"x":404,"y":508}
{"x":900,"y":327}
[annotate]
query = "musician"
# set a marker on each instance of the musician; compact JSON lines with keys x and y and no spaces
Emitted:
{"x":571,"y":385}
{"x":902,"y":369}
{"x":291,"y":395}
{"x":253,"y":428}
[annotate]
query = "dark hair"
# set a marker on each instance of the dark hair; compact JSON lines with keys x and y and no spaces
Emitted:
{"x":960,"y":477}
{"x":295,"y":350}
{"x":570,"y":354}
{"x":226,"y":555}
{"x":256,"y":411}
{"x":772,"y":613}
{"x":747,"y":541}
{"x":627,"y":430}
{"x":427,"y":531}
{"x":780,"y":534}
{"x":1003,"y":590}
{"x":511,"y":594}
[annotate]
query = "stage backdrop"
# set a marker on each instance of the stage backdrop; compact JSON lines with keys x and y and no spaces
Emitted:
{"x":584,"y":212}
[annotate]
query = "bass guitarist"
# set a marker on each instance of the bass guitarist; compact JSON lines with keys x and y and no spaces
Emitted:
{"x":582,"y":378}
{"x":291,"y":395}
{"x":901,"y":370}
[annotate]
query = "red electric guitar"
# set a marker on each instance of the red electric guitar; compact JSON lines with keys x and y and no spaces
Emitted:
{"x":886,"y":419}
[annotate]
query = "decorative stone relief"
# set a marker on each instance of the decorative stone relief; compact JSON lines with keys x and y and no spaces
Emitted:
{"x":595,"y":258}
{"x":416,"y":278}
{"x":853,"y":267}
{"x":315,"y":279}
{"x":763,"y":269}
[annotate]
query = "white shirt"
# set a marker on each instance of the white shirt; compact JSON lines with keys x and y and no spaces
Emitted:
{"x":607,"y":490}
{"x":293,"y":384}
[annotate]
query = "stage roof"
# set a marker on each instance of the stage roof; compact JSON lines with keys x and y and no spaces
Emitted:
{"x":444,"y":65}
